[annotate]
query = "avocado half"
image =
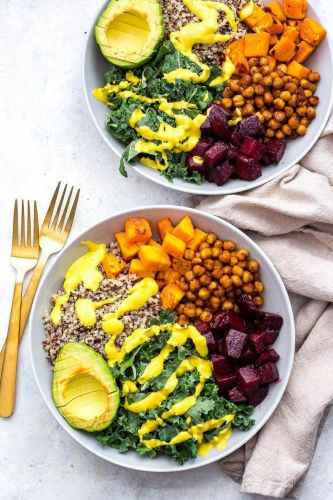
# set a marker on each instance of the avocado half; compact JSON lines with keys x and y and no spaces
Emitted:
{"x":84,"y":390}
{"x":129,"y":31}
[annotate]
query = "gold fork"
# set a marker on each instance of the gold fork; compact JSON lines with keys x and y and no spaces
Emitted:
{"x":23,"y":258}
{"x":52,"y":238}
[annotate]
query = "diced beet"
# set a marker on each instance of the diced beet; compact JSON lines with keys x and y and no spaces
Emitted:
{"x":271,"y":320}
{"x":257,"y":397}
{"x":225,"y":382}
{"x":275,"y":149}
{"x":195,"y":164}
{"x":231,"y":152}
{"x":248,"y":356}
{"x":253,"y":148}
{"x":233,"y":344}
{"x":257,"y":340}
{"x":248,"y":169}
{"x":270,"y":336}
{"x":221,"y":173}
{"x":265,"y":160}
{"x":224,"y":320}
{"x":269,"y":356}
{"x":212,"y":344}
{"x":202,"y":326}
{"x":235,"y":136}
{"x":221,"y":365}
{"x":250,"y":125}
{"x":248,"y":309}
{"x":219,"y":121}
{"x":226,"y":111}
{"x":201,"y":146}
{"x":206,"y":128}
{"x":268,"y":373}
{"x":235,"y":395}
{"x":215,"y":154}
{"x":248,"y":379}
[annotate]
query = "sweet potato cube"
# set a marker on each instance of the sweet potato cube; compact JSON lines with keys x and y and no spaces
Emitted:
{"x":136,"y":267}
{"x":154,"y":258}
{"x":112,"y":266}
{"x":164,"y":226}
{"x":271,"y":60}
{"x":137,"y":230}
{"x":174,"y":246}
{"x":256,"y":44}
{"x":273,"y":40}
{"x":311,"y":31}
{"x":128,"y":249}
{"x":171,"y":277}
{"x":275,"y":8}
{"x":295,"y":9}
{"x":171,"y":295}
{"x":198,"y":238}
{"x":153,"y":243}
{"x":181,"y":266}
{"x":258,"y":19}
{"x":184,"y":230}
{"x":297,"y":70}
{"x":304,"y":50}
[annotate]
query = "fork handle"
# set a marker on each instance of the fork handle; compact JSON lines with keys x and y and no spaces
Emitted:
{"x":9,"y":367}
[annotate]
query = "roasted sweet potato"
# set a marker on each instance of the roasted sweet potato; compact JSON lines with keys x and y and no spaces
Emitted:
{"x":275,"y":8}
{"x":138,"y":230}
{"x":164,"y":226}
{"x":154,"y":258}
{"x":198,"y":238}
{"x":284,"y":50}
{"x":297,"y":70}
{"x":236,"y":54}
{"x":128,"y":249}
{"x":295,"y":9}
{"x":112,"y":266}
{"x":184,"y":230}
{"x":171,"y":295}
{"x":136,"y":267}
{"x":256,"y":44}
{"x":174,"y":246}
{"x":311,"y":31}
{"x":304,"y":50}
{"x":259,"y":19}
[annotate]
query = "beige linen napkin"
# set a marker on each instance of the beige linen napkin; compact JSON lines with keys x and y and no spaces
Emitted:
{"x":291,"y":218}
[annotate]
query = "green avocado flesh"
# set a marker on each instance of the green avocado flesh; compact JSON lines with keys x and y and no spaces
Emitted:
{"x":84,"y":390}
{"x":129,"y":31}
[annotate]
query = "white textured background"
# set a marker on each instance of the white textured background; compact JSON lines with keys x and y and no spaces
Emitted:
{"x":46,"y":135}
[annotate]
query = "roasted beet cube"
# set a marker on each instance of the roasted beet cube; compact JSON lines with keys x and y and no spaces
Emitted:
{"x":269,"y":356}
{"x":265,"y":160}
{"x":253,"y":148}
{"x":224,"y":320}
{"x":231,"y":152}
{"x":212,"y":344}
{"x":248,"y":169}
{"x":235,"y":395}
{"x":268,"y":373}
{"x":221,"y":173}
{"x":250,"y":126}
{"x":201,"y":146}
{"x":202,"y":326}
{"x":226,"y":111}
{"x":219,"y":121}
{"x":233,"y":344}
{"x":195,"y":164}
{"x":257,"y":397}
{"x":248,"y":355}
{"x":221,"y":365}
{"x":206,"y":128}
{"x":235,"y":136}
{"x":248,"y":309}
{"x":270,"y":336}
{"x":215,"y":154}
{"x":271,"y":320}
{"x":275,"y":149}
{"x":248,"y":379}
{"x":225,"y":382}
{"x":257,"y":340}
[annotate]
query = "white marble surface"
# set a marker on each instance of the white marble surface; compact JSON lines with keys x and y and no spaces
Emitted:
{"x":46,"y":135}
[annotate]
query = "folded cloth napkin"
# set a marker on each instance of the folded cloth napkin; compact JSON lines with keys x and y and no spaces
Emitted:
{"x":291,"y":218}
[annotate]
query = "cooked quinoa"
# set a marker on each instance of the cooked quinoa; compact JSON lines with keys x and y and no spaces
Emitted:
{"x":176,"y":15}
{"x":71,"y":330}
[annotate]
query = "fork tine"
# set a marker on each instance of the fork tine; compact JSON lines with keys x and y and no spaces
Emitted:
{"x":36,"y":227}
{"x":56,"y":217}
{"x":22,"y":241}
{"x":51,"y":207}
{"x":72,"y":214}
{"x":29,"y":243}
{"x":64,"y":214}
{"x":15,"y":227}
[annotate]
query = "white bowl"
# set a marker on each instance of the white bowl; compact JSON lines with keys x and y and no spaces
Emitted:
{"x":276,"y":300}
{"x":95,"y":65}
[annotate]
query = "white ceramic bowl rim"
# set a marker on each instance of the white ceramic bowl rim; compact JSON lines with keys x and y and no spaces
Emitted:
{"x":79,"y":437}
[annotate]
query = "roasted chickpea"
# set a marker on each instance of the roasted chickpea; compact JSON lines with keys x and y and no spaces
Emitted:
{"x":183,"y":286}
{"x":267,"y":80}
{"x":227,"y":305}
{"x":209,"y":264}
{"x":293,"y":122}
{"x":248,"y":110}
{"x":215,"y":303}
{"x":314,"y":100}
{"x":219,"y":292}
{"x":233,"y":260}
{"x":180,"y":308}
{"x":213,"y":286}
{"x":206,"y":253}
{"x":237,"y":270}
{"x":259,"y":115}
{"x":217,"y":273}
{"x":225,"y":281}
{"x":269,"y":133}
{"x":218,"y":244}
{"x":267,"y":115}
{"x":231,"y":294}
{"x":259,"y":89}
{"x":280,"y":116}
{"x":274,"y":74}
{"x":189,"y":275}
{"x":227,"y":92}
{"x":301,"y":130}
{"x":204,"y":293}
{"x":288,"y":111}
{"x":258,"y":301}
{"x":206,"y":316}
{"x":203,"y":245}
{"x":305,"y":122}
{"x":194,"y":285}
{"x":304,"y":83}
{"x":278,"y":83}
{"x":189,"y":254}
{"x":196,"y":260}
{"x":265,"y":70}
{"x":253,"y":266}
{"x":238,"y":101}
{"x":258,"y":286}
{"x":226,"y":102}
{"x":253,"y":61}
{"x":279,"y":103}
{"x":183,"y":320}
{"x":254,"y":70}
{"x":234,"y":85}
{"x":276,"y":93}
{"x":236,"y":280}
{"x":229,"y":245}
{"x":225,"y":257}
{"x":274,"y":124}
{"x":211,"y":238}
{"x":227,"y":270}
{"x":263,"y":61}
{"x":285,"y":95}
{"x":286,"y":129}
{"x":247,"y":277}
{"x":257,"y":78}
{"x":248,"y":288}
{"x":307,"y":95}
{"x":242,"y":254}
{"x":199,"y":303}
{"x":313,"y":87}
{"x":259,"y":102}
{"x":301,"y":111}
{"x":198,"y":270}
{"x":314,"y":76}
{"x":198,"y":311}
{"x":189,"y":310}
{"x":242,"y":264}
{"x":268,"y":97}
{"x":246,"y":80}
{"x":282,"y":67}
{"x":248,"y":92}
{"x":294,"y":101}
{"x":216,"y":252}
{"x":290,"y":87}
{"x":204,"y":280}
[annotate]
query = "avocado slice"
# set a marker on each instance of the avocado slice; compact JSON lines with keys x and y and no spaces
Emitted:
{"x":129,"y":31}
{"x":84,"y":390}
